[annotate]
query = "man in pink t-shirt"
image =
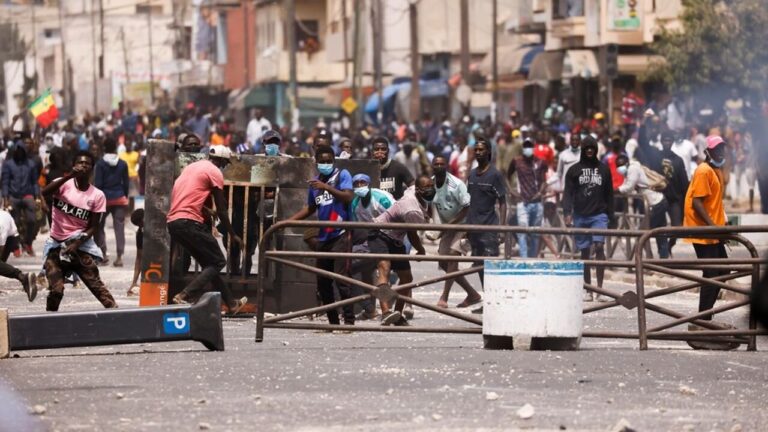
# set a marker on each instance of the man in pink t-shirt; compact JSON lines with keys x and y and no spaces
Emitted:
{"x":187,"y":224}
{"x":77,"y":209}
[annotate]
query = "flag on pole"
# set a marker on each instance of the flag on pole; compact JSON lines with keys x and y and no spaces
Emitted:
{"x":44,"y":109}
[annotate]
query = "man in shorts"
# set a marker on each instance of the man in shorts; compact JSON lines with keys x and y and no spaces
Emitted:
{"x":412,"y":208}
{"x":452,"y":204}
{"x":10,"y":242}
{"x":588,"y":203}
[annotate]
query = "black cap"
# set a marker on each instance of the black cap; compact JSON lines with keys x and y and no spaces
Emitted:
{"x":323,"y":133}
{"x":271,"y":136}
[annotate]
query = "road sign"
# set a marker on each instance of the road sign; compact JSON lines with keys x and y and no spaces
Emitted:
{"x":199,"y":322}
{"x":349,"y":105}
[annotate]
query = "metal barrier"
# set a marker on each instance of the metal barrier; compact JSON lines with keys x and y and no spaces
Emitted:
{"x":628,"y":299}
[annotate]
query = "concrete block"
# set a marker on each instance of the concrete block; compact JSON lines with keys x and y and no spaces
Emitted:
{"x":5,"y":346}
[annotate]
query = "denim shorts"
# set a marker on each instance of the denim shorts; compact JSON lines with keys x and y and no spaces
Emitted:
{"x":598,"y":221}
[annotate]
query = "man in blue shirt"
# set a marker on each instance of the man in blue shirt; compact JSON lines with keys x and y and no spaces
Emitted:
{"x":330,"y":194}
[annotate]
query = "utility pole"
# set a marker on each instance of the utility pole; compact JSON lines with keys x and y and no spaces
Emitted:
{"x":376,"y":29}
{"x":101,"y":38}
{"x":357,"y":66}
{"x":34,"y":44}
{"x":94,"y":61}
{"x":65,"y":87}
{"x":495,"y":59}
{"x":245,"y":45}
{"x":293,"y":94}
{"x":151,"y":60}
{"x":464,"y":13}
{"x":413,"y":15}
{"x":125,"y":55}
{"x":344,"y":30}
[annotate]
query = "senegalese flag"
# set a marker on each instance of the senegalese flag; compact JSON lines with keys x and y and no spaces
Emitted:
{"x":44,"y":109}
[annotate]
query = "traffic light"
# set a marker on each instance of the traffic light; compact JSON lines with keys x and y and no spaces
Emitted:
{"x":611,"y":61}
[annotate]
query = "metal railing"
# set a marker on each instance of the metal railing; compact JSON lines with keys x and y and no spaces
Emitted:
{"x":628,"y":299}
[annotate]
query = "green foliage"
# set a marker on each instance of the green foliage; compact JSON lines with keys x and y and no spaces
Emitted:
{"x":722,"y":44}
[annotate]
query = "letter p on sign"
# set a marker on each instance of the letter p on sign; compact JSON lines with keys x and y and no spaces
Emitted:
{"x":176,"y":323}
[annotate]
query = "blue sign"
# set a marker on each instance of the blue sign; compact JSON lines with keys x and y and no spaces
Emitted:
{"x":176,"y":323}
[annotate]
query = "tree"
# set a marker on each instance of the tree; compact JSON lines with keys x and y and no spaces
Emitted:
{"x":722,"y":45}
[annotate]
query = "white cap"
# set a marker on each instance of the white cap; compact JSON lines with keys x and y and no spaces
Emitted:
{"x":220,"y":151}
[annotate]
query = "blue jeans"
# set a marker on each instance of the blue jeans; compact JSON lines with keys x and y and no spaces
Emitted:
{"x":529,"y":215}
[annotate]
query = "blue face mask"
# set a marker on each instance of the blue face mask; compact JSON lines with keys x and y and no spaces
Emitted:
{"x":622,"y":170}
{"x":717,"y":164}
{"x":528,"y":152}
{"x":325,"y":168}
{"x":362,"y":191}
{"x":272,"y":149}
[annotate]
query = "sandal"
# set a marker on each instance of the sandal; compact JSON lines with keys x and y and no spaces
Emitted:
{"x":469,"y":302}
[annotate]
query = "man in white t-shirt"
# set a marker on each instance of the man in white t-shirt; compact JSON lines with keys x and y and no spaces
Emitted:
{"x":256,"y":128}
{"x":9,"y":242}
{"x":452,"y":204}
{"x":687,"y":152}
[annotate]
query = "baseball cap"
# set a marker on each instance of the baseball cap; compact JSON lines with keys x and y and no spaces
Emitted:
{"x":361,"y":177}
{"x":516,"y":133}
{"x":323,"y":133}
{"x":272,"y":135}
{"x":220,"y":151}
{"x":714,"y":141}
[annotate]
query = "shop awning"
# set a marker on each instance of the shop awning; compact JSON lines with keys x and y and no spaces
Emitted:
{"x":580,"y":64}
{"x":260,"y":97}
{"x":637,"y":64}
{"x":546,"y":66}
{"x":512,"y":59}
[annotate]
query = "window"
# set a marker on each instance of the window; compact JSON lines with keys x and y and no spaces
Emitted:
{"x":562,"y":9}
{"x":307,"y":36}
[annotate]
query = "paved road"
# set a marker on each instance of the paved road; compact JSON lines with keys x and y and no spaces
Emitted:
{"x":301,"y":380}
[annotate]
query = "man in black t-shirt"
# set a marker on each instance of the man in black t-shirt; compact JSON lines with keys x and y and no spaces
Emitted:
{"x":395,"y":177}
{"x":486,"y":187}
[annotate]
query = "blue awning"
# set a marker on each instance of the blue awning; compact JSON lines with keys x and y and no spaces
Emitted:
{"x":512,"y":60}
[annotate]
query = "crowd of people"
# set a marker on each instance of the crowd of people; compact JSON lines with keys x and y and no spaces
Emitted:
{"x":517,"y":172}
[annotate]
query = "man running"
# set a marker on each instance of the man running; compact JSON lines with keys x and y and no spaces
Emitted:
{"x":9,"y":242}
{"x":76,"y":212}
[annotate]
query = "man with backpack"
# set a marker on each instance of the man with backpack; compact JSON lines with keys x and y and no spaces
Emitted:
{"x":636,"y":180}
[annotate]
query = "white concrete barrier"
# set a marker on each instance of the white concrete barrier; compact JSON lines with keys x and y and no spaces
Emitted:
{"x":743,"y":219}
{"x":537,"y":299}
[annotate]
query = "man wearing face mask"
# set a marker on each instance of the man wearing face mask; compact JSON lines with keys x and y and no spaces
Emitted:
{"x":567,"y":158}
{"x":330,"y":194}
{"x":368,"y":204}
{"x":395,"y":177}
{"x":588,"y":203}
{"x":272,"y":142}
{"x":531,"y":186}
{"x":452,"y":204}
{"x":412,"y":208}
{"x":635,"y":181}
{"x":704,"y":207}
{"x":674,"y":169}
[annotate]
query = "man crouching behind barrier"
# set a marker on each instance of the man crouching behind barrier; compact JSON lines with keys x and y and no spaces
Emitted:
{"x":77,"y":209}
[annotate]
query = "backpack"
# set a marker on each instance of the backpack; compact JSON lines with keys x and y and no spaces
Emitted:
{"x":656,"y":182}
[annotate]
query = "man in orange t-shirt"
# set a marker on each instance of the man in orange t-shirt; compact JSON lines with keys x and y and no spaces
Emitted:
{"x":704,"y":207}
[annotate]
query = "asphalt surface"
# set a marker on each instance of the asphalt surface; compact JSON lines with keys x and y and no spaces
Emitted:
{"x":302,"y":380}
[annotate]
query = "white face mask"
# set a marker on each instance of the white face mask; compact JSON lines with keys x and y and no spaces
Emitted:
{"x":622,"y":170}
{"x":362,"y":191}
{"x":528,"y":152}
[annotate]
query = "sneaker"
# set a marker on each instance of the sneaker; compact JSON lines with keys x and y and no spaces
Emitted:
{"x":118,"y":262}
{"x":180,"y":298}
{"x":587,"y":296}
{"x":402,"y":322}
{"x":713,"y":345}
{"x":390,"y":318}
{"x":29,"y":284}
{"x":408,"y":313}
{"x":601,"y":298}
{"x":17,"y":253}
{"x":365,"y":316}
{"x":29,"y":251}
